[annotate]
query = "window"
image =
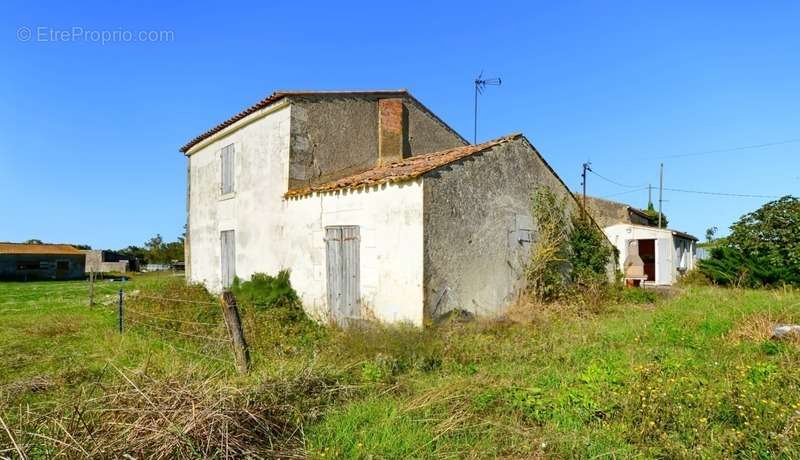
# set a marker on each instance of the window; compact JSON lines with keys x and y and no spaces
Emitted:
{"x":523,"y":229}
{"x":27,"y":265}
{"x":62,"y":265}
{"x":227,"y":179}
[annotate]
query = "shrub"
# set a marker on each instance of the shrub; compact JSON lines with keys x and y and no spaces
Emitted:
{"x":265,"y":291}
{"x":730,"y":266}
{"x":570,"y":256}
{"x":589,"y":251}
{"x":638,"y":296}
{"x":548,"y":267}
{"x":694,"y":278}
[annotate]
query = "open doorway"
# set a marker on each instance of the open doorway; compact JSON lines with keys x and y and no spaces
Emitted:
{"x":647,"y":251}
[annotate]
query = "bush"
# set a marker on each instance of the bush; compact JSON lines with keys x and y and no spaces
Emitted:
{"x":265,"y":291}
{"x":731,"y":267}
{"x":694,"y":278}
{"x":638,"y":296}
{"x":763,"y":248}
{"x":570,"y":256}
{"x":548,"y":268}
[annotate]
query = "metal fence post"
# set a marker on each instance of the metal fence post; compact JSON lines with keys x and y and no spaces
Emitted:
{"x":121,"y":311}
{"x":234,"y":322}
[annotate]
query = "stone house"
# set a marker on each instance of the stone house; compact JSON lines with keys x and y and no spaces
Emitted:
{"x":28,"y":262}
{"x":377,"y":207}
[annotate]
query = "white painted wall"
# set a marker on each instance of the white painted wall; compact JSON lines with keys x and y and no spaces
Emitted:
{"x":273,"y":233}
{"x":391,"y":251}
{"x":620,"y":234}
{"x":254,"y":211}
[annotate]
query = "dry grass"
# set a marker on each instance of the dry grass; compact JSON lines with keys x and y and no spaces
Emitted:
{"x":757,"y":327}
{"x":162,"y":418}
{"x":54,"y":328}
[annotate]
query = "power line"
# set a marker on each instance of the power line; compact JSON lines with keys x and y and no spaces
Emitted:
{"x":625,"y":192}
{"x":739,"y":195}
{"x":615,"y":182}
{"x":733,"y":149}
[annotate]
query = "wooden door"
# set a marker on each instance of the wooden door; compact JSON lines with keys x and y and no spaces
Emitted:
{"x":342,"y":262}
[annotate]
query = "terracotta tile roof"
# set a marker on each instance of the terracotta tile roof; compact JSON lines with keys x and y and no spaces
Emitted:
{"x":403,"y":170}
{"x":278,"y":95}
{"x":43,"y":249}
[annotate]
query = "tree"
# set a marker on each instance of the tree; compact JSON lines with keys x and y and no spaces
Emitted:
{"x":763,"y":248}
{"x":710,"y":232}
{"x":772,"y":232}
{"x":652,"y":216}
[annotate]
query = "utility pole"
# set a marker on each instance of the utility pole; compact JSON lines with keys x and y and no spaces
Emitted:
{"x":649,"y":195}
{"x":660,"y":193}
{"x":586,"y":167}
{"x":481,"y":83}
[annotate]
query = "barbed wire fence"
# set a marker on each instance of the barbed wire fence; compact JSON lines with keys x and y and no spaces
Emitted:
{"x":204,"y":329}
{"x":213,"y":338}
{"x":13,"y":302}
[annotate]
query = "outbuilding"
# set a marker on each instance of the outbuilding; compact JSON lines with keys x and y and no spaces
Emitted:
{"x":658,"y":256}
{"x":27,"y":262}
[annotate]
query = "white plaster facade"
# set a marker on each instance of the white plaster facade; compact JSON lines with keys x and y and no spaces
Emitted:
{"x":274,"y":233}
{"x":673,"y":252}
{"x":255,"y":210}
{"x":391,"y":258}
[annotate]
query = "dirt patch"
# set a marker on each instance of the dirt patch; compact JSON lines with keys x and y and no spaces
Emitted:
{"x":35,"y":384}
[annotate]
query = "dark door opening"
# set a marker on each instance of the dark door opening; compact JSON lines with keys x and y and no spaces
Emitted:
{"x":647,"y":251}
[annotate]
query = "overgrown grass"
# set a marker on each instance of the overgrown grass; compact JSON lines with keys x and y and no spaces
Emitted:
{"x":692,"y":376}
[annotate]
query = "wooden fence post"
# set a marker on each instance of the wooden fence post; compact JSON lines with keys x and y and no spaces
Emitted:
{"x":121,"y":311}
{"x":91,"y":289}
{"x":234,"y":322}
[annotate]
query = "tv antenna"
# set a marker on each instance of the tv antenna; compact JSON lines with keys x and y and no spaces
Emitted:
{"x":480,"y":84}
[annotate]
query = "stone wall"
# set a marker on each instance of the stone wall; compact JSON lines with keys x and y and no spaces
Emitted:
{"x":336,"y":136}
{"x":479,"y":229}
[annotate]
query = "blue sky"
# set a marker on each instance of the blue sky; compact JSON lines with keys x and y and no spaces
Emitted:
{"x":90,"y":131}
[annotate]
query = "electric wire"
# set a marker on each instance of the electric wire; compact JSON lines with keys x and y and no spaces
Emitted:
{"x":732,"y":149}
{"x":615,"y":182}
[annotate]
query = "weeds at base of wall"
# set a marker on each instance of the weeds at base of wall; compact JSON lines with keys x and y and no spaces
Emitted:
{"x":569,"y":258}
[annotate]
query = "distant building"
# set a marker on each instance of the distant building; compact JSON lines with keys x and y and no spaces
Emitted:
{"x":27,"y":262}
{"x":661,"y":254}
{"x":98,"y":261}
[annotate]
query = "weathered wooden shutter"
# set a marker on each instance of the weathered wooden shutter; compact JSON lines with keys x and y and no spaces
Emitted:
{"x":228,"y":257}
{"x":228,"y":159}
{"x":342,"y":256}
{"x":350,"y":269}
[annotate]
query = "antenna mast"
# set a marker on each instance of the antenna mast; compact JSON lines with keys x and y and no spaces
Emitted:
{"x":480,"y":84}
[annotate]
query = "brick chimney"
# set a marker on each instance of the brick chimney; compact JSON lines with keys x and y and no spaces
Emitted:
{"x":392,"y":130}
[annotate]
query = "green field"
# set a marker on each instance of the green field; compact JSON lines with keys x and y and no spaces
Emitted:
{"x":692,"y":376}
